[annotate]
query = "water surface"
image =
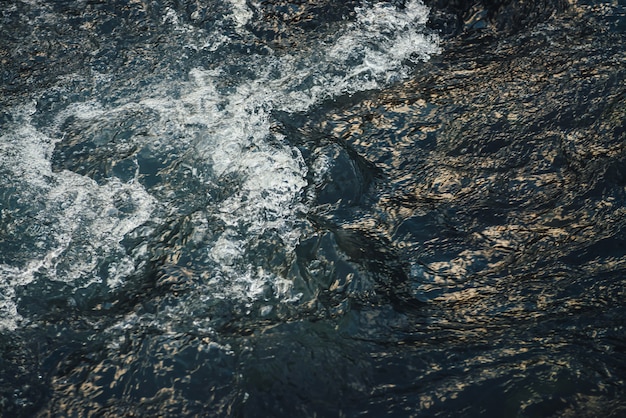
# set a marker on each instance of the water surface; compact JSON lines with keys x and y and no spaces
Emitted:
{"x":312,"y":208}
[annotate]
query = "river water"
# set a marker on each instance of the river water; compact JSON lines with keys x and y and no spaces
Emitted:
{"x":323,"y":208}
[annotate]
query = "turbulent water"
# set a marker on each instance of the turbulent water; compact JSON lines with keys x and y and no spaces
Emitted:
{"x":312,"y":208}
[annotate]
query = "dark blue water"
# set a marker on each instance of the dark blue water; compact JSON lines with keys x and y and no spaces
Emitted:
{"x":285,"y":208}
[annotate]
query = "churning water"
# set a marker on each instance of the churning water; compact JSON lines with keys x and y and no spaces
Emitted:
{"x":279,"y":208}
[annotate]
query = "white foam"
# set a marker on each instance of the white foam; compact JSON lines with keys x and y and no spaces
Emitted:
{"x":194,"y":37}
{"x":367,"y":54}
{"x":379,"y":42}
{"x":77,"y":224}
{"x":241,"y":14}
{"x":227,"y":134}
{"x":232,"y":133}
{"x":372,"y":51}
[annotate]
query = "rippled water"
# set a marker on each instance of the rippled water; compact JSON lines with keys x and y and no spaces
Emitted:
{"x":280,"y":208}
